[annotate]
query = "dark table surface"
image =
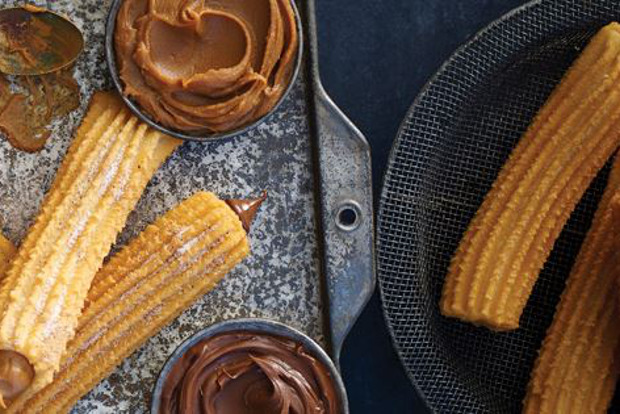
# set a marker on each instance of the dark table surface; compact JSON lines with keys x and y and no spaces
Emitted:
{"x":375,"y":56}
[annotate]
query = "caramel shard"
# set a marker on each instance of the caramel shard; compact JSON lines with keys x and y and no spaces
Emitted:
{"x":501,"y":254}
{"x":25,"y":116}
{"x":101,"y":179}
{"x":146,"y":285}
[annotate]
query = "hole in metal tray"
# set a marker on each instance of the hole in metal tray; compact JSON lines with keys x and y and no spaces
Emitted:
{"x":349,"y":216}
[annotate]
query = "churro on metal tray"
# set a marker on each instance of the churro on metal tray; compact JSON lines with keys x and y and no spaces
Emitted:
{"x":109,"y":164}
{"x":146,"y":285}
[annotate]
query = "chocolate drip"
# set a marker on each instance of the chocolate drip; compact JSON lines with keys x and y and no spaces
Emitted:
{"x":16,"y":375}
{"x":247,"y":209}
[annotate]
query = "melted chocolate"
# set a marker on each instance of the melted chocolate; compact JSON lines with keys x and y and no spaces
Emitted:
{"x":16,"y":375}
{"x":246,"y":209}
{"x":248,"y":373}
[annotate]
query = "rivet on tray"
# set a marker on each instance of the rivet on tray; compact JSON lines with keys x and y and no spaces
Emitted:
{"x":348,"y":216}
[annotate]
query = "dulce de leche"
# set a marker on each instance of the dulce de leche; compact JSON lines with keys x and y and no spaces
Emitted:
{"x":206,"y":66}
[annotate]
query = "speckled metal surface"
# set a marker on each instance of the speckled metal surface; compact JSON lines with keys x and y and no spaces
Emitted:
{"x":281,"y":280}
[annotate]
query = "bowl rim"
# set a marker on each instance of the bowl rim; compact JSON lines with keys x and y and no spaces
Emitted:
{"x":254,"y":325}
{"x":110,"y":57}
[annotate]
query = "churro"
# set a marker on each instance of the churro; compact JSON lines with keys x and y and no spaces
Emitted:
{"x":7,"y":252}
{"x":101,"y":179}
{"x":501,"y":254}
{"x":147,"y":284}
{"x":578,"y":364}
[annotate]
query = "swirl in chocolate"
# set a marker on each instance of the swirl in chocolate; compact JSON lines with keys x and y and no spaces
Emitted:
{"x":203,"y":66}
{"x":249,"y":373}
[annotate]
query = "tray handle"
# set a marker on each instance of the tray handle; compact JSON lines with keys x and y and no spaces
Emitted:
{"x":346,"y":206}
{"x":345,"y":189}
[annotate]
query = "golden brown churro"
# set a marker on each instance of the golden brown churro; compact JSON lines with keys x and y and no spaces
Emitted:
{"x":501,"y":254}
{"x":104,"y":174}
{"x":578,"y":364}
{"x":7,"y":252}
{"x":146,"y":285}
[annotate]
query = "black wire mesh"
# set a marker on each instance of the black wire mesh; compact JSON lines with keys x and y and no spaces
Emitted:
{"x":451,"y":146}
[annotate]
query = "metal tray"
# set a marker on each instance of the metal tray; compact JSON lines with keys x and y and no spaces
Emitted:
{"x":312,"y":265}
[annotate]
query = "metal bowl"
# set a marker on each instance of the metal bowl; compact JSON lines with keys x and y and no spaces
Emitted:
{"x":260,"y":326}
{"x":135,"y":107}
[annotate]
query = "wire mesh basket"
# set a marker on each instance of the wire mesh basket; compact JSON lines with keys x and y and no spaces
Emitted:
{"x":451,"y":146}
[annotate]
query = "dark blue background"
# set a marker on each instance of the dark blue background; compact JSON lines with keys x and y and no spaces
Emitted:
{"x":375,"y":56}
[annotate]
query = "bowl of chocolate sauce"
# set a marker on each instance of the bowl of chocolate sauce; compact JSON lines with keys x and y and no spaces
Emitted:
{"x":249,"y":366}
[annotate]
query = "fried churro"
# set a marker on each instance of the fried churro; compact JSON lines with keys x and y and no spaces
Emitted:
{"x":7,"y":252}
{"x":578,"y":365}
{"x":101,"y":179}
{"x":501,"y":254}
{"x":146,"y":285}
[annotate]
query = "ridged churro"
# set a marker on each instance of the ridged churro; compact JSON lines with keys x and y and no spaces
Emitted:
{"x":148,"y":283}
{"x":578,"y":364}
{"x":501,"y":254}
{"x":7,"y":252}
{"x":101,"y":179}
